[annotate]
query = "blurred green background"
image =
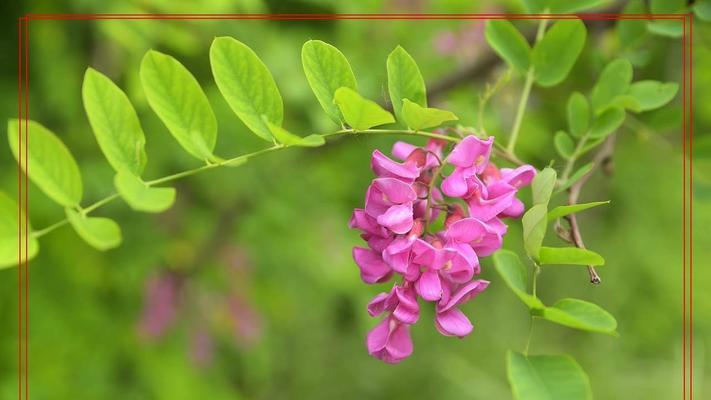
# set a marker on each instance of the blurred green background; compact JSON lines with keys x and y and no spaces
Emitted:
{"x":248,"y":280}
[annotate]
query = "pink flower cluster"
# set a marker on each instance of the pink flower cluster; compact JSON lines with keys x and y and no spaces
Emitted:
{"x":437,"y":267}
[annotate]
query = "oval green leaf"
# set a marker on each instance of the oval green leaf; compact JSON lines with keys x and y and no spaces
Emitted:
{"x":562,"y":211}
{"x":508,"y":43}
{"x":360,"y":113}
{"x":542,"y":186}
{"x":114,"y":122}
{"x":101,"y":233}
{"x":564,"y":144}
{"x":534,"y":229}
{"x":578,"y":114}
{"x":54,"y":169}
{"x":614,"y":80}
{"x":567,"y":6}
{"x":142,"y":197}
{"x":326,"y":70}
{"x":554,"y":56}
{"x":176,"y":96}
{"x":632,"y":31}
{"x":289,"y":139}
{"x":417,"y":117}
{"x":607,"y":123}
{"x":514,"y":274}
{"x":546,"y":377}
{"x":581,"y":315}
{"x":652,"y":94}
{"x":246,"y":84}
{"x":404,"y":80}
{"x":10,"y":236}
{"x":569,"y":256}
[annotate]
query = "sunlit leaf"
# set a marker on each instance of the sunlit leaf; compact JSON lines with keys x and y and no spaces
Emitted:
{"x":578,"y":114}
{"x":556,"y":53}
{"x":53,"y":167}
{"x":653,"y":94}
{"x":142,"y":197}
{"x":101,"y":233}
{"x":613,"y":81}
{"x":404,"y":80}
{"x":564,"y":144}
{"x":607,"y":123}
{"x":285,"y":137}
{"x":542,"y":186}
{"x":582,"y":315}
{"x":631,"y":31}
{"x":514,"y":274}
{"x":417,"y":117}
{"x":10,"y":235}
{"x":546,"y":377}
{"x":569,"y":256}
{"x":361,"y":113}
{"x":534,"y":230}
{"x":508,"y":43}
{"x":562,"y":211}
{"x":567,"y":6}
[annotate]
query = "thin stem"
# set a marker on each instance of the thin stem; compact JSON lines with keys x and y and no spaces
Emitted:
{"x":235,"y":161}
{"x":536,"y":271}
{"x":574,"y":157}
{"x":523,"y":101}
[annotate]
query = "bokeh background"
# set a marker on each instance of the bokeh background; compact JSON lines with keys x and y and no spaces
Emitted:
{"x":246,"y":287}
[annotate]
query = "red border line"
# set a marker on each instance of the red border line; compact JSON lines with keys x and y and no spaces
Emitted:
{"x":691,"y":208}
{"x":23,"y":92}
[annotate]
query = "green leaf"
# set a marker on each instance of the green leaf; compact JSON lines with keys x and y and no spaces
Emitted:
{"x":115,"y":123}
{"x":142,"y":197}
{"x":178,"y":100}
{"x":534,"y":230}
{"x":101,"y":233}
{"x":554,"y":56}
{"x":546,"y":377}
{"x":607,"y":123}
{"x":568,"y":7}
{"x":404,"y":80}
{"x":562,"y":211}
{"x":246,"y":84}
{"x":613,"y":81}
{"x":564,"y":144}
{"x":360,"y":113}
{"x":576,"y":176}
{"x":508,"y":43}
{"x":10,"y":236}
{"x":569,"y":256}
{"x":627,"y":102}
{"x":578,"y":114}
{"x":287,"y":138}
{"x":702,"y":9}
{"x":54,"y":170}
{"x":582,"y":315}
{"x":514,"y":274}
{"x":326,"y":69}
{"x":653,"y":94}
{"x":417,"y":117}
{"x":670,"y":28}
{"x":631,"y":31}
{"x":542,"y":186}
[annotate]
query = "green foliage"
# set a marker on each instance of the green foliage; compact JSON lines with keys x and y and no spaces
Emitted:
{"x":614,"y":81}
{"x":575,"y":176}
{"x":417,"y":117}
{"x":564,"y":144}
{"x":508,"y":43}
{"x":562,"y":211}
{"x":289,"y":139}
{"x":607,"y":123}
{"x":566,"y":7}
{"x":547,"y":377}
{"x":10,"y":235}
{"x":141,"y":197}
{"x":652,"y":94}
{"x":578,"y":114}
{"x":115,"y":123}
{"x":54,"y":169}
{"x":404,"y":80}
{"x":327,"y":69}
{"x":632,"y":31}
{"x":246,"y":84}
{"x":579,"y":314}
{"x":514,"y":274}
{"x":670,"y":28}
{"x":702,"y":9}
{"x":534,"y":229}
{"x":360,"y":113}
{"x":554,"y":56}
{"x":542,"y":186}
{"x":569,"y":256}
{"x":176,"y":96}
{"x":101,"y":233}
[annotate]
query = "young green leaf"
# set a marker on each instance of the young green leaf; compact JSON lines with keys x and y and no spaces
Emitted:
{"x":671,"y":28}
{"x":607,"y":123}
{"x":246,"y":84}
{"x":546,"y":377}
{"x":360,"y":113}
{"x":553,"y":57}
{"x":142,"y":197}
{"x":404,"y":80}
{"x":582,"y":315}
{"x":578,"y":114}
{"x":10,"y":247}
{"x":542,"y":186}
{"x":534,"y":230}
{"x":631,"y":31}
{"x":613,"y":81}
{"x":564,"y":144}
{"x":287,"y":138}
{"x":326,"y":70}
{"x":508,"y":43}
{"x":702,"y":9}
{"x":417,"y":117}
{"x":568,"y":7}
{"x":569,"y":256}
{"x":101,"y":233}
{"x":562,"y":211}
{"x":653,"y":94}
{"x":582,"y":171}
{"x":514,"y":274}
{"x":115,"y":123}
{"x":176,"y":96}
{"x":54,"y":170}
{"x":626,"y":102}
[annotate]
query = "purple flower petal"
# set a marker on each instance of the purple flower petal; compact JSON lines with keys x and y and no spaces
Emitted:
{"x":387,"y":168}
{"x":453,"y":323}
{"x":472,"y":151}
{"x":464,"y":294}
{"x":518,"y":177}
{"x":372,"y":267}
{"x":397,"y":218}
{"x":394,"y":191}
{"x":429,"y":286}
{"x":407,"y":310}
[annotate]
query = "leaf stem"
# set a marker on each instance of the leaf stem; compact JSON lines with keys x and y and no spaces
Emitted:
{"x":523,"y":101}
